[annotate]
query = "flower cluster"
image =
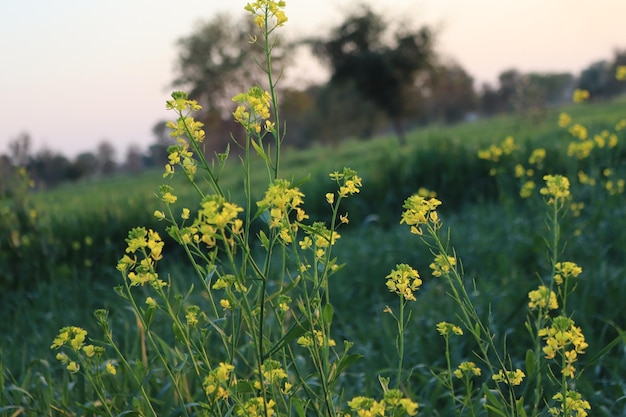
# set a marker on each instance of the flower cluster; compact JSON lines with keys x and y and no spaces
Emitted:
{"x":557,"y":187}
{"x":420,"y":211}
{"x":319,"y":238}
{"x":281,"y":199}
{"x":257,"y":407}
{"x":392,"y":404}
{"x":74,"y":337}
{"x":573,"y":405}
{"x":315,"y":339}
{"x":215,"y":217}
{"x":253,"y":109}
{"x":509,"y":377}
{"x":565,"y":270}
{"x":184,"y":127}
{"x":148,"y":243}
{"x":467,"y":368}
{"x":404,"y":280}
{"x":580,"y":95}
{"x":444,"y":328}
{"x":263,"y":10}
{"x":495,"y":152}
{"x":442,"y":265}
{"x":273,"y":374}
{"x":216,"y":383}
{"x":349,"y":183}
{"x":566,"y":339}
{"x":542,"y":298}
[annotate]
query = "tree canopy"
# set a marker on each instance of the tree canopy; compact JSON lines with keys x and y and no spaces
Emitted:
{"x":219,"y":60}
{"x":381,"y":71}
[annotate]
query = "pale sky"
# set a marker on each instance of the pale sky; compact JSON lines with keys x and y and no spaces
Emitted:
{"x":75,"y":72}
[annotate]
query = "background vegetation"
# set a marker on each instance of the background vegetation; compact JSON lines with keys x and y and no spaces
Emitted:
{"x":384,"y":78}
{"x":59,"y":246}
{"x":60,"y":249}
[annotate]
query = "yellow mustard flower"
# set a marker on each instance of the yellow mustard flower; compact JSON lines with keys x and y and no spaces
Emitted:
{"x":573,"y":405}
{"x":542,"y":298}
{"x":404,"y":280}
{"x":467,"y":368}
{"x":420,"y":211}
{"x":527,"y":189}
{"x":110,"y":368}
{"x":273,"y":372}
{"x":564,"y":119}
{"x":620,"y":73}
{"x":578,"y":131}
{"x":442,"y":265}
{"x":566,"y":270}
{"x":509,"y":377}
{"x":263,"y":10}
{"x":580,"y":95}
{"x":444,"y":328}
{"x":557,"y":186}
{"x":537,"y":156}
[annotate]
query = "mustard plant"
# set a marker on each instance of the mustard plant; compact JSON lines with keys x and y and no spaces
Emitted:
{"x":556,"y":342}
{"x":252,"y":334}
{"x":256,"y":339}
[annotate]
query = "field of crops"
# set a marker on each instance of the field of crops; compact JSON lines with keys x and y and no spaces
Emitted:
{"x":66,"y":266}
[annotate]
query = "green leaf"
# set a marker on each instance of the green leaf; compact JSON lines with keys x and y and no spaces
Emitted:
{"x":179,"y":334}
{"x":259,"y":150}
{"x":327,"y":313}
{"x":347,"y":360}
{"x":264,"y":239}
{"x":519,"y":405}
{"x":302,"y":181}
{"x":295,"y":332}
{"x":493,"y":404}
{"x":530,"y":362}
{"x":494,"y":411}
{"x":148,"y":315}
{"x":244,"y":387}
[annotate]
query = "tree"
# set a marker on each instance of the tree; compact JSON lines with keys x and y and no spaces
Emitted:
{"x":599,"y":77}
{"x":105,"y":155}
{"x":219,"y":60}
{"x":451,"y":93}
{"x":381,"y":72}
{"x":157,"y":151}
{"x":49,"y":168}
{"x":85,"y":165}
{"x":20,"y":149}
{"x":134,"y":159}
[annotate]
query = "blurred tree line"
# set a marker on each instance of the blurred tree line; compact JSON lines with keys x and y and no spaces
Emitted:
{"x":384,"y":78}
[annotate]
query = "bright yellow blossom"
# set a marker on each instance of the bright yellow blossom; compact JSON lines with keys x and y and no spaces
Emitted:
{"x":542,"y":298}
{"x":580,"y":95}
{"x":467,"y":368}
{"x":557,"y":186}
{"x":444,"y":328}
{"x":404,"y":280}
{"x":510,"y":377}
{"x":564,"y":120}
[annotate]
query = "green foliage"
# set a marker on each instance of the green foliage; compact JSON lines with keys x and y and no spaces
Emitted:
{"x":249,"y":314}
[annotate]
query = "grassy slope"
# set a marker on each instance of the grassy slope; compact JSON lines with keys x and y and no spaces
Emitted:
{"x":497,"y":245}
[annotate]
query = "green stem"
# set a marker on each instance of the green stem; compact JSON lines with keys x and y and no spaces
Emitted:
{"x":400,"y":346}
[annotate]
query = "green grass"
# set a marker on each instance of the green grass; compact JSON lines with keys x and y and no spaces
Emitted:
{"x":498,"y":237}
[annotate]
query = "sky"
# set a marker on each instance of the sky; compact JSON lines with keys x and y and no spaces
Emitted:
{"x":76,"y":72}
